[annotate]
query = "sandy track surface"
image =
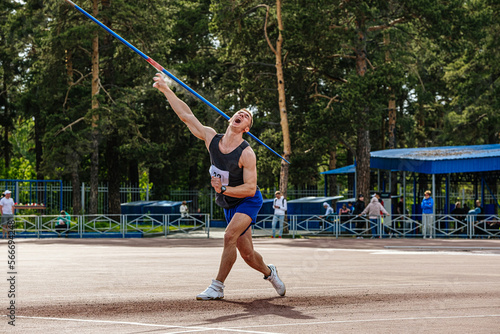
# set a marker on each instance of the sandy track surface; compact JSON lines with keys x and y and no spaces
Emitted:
{"x":333,"y":285}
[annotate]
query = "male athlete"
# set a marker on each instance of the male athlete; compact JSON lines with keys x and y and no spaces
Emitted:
{"x":234,"y":178}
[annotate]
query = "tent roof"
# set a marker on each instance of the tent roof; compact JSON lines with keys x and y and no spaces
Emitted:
{"x":439,"y":160}
{"x":313,"y":199}
{"x":351,"y":169}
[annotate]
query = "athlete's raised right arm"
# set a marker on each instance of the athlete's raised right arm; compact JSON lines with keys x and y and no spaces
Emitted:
{"x":184,"y":112}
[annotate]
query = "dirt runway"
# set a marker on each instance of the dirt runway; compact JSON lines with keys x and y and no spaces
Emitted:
{"x":333,"y":286}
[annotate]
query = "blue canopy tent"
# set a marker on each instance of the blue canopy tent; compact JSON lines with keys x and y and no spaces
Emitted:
{"x":351,"y":169}
{"x":439,"y":160}
{"x":472,"y":163}
{"x":478,"y":160}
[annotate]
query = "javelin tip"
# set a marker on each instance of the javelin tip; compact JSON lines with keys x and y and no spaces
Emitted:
{"x":71,"y":3}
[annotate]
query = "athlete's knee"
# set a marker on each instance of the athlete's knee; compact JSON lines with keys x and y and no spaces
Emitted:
{"x":230,"y":237}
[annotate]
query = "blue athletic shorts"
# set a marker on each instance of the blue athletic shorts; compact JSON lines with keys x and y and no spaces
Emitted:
{"x":249,"y":206}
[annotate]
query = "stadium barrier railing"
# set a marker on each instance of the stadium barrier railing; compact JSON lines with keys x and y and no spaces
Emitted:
{"x":150,"y":225}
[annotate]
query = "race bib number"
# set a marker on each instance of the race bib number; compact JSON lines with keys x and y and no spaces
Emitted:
{"x":222,"y":174}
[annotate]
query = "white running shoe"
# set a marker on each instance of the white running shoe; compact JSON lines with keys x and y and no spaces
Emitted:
{"x":214,"y":291}
{"x":275,"y":280}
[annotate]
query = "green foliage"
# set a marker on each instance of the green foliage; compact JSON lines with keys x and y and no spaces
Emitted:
{"x":439,"y":58}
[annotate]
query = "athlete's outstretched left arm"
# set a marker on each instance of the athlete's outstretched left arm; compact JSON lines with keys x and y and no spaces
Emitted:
{"x":249,"y":163}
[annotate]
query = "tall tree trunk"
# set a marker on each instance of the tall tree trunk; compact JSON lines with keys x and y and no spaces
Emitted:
{"x":5,"y":118}
{"x":69,"y":66}
{"x":77,"y":197}
{"x":113,"y":158}
{"x":392,"y":120}
{"x":287,"y":146}
{"x":382,"y":133}
{"x":363,"y":134}
{"x":6,"y":146}
{"x":94,"y":160}
{"x":421,"y":131}
{"x":363,"y":163}
{"x":332,"y":178}
{"x":38,"y":143}
{"x":392,"y":101}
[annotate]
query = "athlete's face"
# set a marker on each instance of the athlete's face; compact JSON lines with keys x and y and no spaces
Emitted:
{"x":242,"y":119}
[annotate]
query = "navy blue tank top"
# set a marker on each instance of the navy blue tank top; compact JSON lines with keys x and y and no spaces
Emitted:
{"x":226,"y":166}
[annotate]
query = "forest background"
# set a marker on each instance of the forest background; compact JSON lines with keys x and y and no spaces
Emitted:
{"x":327,"y":81}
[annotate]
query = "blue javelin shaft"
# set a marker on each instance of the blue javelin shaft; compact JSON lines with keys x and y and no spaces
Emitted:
{"x":161,"y":69}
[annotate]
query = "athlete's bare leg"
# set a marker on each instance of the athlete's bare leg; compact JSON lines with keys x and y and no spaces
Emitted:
{"x":232,"y":236}
{"x":251,"y":257}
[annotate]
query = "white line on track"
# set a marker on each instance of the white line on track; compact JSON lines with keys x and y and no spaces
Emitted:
{"x":186,"y":329}
{"x":244,"y":329}
{"x":404,"y":252}
{"x":369,"y":320}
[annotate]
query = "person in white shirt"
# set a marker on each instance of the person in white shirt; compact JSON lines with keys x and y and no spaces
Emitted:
{"x":329,"y":211}
{"x":184,"y":209}
{"x":279,"y":205}
{"x":7,"y":210}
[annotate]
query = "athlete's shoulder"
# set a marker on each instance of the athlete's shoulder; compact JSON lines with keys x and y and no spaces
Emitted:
{"x":210,"y":134}
{"x":248,"y":157}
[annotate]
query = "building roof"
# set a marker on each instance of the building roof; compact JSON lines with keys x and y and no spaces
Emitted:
{"x":439,"y":160}
{"x":314,"y":199}
{"x":351,"y":169}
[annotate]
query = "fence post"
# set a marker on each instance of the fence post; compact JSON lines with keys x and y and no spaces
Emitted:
{"x":336,"y":227}
{"x":207,"y":224}
{"x":83,"y":197}
{"x":16,"y":190}
{"x":122,"y":224}
{"x":166,"y":221}
{"x":37,"y":224}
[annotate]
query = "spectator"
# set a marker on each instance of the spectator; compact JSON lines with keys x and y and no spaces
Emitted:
{"x":374,"y":210}
{"x":199,"y":215}
{"x":401,"y":207}
{"x":427,"y":214}
{"x":359,"y":206}
{"x":328,"y":213}
{"x":350,"y":207}
{"x":465,"y":208}
{"x":379,"y":199}
{"x":184,"y":209}
{"x":476,"y":214}
{"x":458,"y":212}
{"x":280,"y":207}
{"x":478,"y":207}
{"x":63,"y":221}
{"x":7,"y":211}
{"x":344,"y":213}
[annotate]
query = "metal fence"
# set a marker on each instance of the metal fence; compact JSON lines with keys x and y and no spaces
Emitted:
{"x":168,"y":225}
{"x":110,"y":226}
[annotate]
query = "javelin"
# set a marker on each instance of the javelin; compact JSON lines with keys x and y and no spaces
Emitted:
{"x":161,"y":69}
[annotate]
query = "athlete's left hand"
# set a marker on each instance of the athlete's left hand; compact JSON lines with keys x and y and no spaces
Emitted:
{"x":216,"y":183}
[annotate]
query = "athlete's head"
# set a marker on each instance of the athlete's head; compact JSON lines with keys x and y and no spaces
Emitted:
{"x":243,"y":116}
